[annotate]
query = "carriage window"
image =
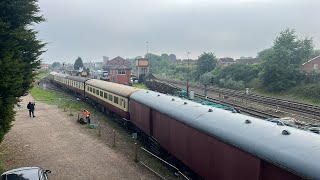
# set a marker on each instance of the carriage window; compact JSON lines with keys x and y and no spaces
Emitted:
{"x":101,"y":93}
{"x":116,"y":100}
{"x":90,"y":89}
{"x":106,"y":95}
{"x":124,"y":104}
{"x":97,"y":92}
{"x":121,"y":100}
{"x":110,"y":97}
{"x":93,"y":90}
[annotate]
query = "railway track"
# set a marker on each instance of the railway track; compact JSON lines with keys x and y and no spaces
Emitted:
{"x":247,"y":110}
{"x":281,"y":103}
{"x":165,"y":87}
{"x":306,"y":110}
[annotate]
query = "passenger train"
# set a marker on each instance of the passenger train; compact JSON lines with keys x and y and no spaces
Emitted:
{"x":214,"y":143}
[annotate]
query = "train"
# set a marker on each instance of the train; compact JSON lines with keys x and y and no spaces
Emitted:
{"x":213,"y":143}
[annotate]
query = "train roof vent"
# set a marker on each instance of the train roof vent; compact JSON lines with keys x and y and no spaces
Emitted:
{"x":172,"y":99}
{"x":210,"y":110}
{"x":158,"y":94}
{"x":147,"y":92}
{"x":247,"y":121}
{"x":285,"y":132}
{"x":280,"y":123}
{"x":185,"y":103}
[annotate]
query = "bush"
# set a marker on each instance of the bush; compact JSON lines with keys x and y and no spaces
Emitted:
{"x":231,"y":84}
{"x":310,"y":92}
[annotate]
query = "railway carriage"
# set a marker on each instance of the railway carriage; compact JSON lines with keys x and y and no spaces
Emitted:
{"x":214,"y":143}
{"x":111,"y":96}
{"x":219,"y":144}
{"x":76,"y":84}
{"x":60,"y":79}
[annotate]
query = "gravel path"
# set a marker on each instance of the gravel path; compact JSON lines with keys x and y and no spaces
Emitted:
{"x":54,"y":141}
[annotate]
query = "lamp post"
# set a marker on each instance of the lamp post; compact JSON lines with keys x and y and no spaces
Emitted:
{"x":188,"y":76}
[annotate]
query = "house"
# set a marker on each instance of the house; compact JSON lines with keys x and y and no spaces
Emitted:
{"x":44,"y":66}
{"x":119,"y":70}
{"x":120,"y":74}
{"x":226,"y":61}
{"x":312,"y":64}
{"x":248,"y":61}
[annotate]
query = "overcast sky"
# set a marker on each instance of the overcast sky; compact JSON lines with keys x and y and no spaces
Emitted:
{"x":95,"y":28}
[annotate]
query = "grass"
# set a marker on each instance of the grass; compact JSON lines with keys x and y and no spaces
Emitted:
{"x":41,"y":75}
{"x":2,"y":166}
{"x":140,"y":85}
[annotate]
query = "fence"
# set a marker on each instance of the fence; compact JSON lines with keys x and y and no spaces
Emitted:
{"x":111,"y":137}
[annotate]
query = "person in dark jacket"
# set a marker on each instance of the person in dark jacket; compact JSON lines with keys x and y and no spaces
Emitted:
{"x":31,"y":108}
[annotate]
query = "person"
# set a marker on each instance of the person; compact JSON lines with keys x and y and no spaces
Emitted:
{"x":88,"y":119}
{"x":31,"y":109}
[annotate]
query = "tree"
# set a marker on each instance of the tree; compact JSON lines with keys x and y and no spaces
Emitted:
{"x":56,"y":64}
{"x":19,"y":54}
{"x":206,"y":78}
{"x":281,"y":63}
{"x":78,"y":64}
{"x":165,"y":57}
{"x":172,"y":57}
{"x":239,"y":72}
{"x":206,"y":62}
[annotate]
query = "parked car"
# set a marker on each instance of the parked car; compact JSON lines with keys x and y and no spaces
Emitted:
{"x":26,"y":173}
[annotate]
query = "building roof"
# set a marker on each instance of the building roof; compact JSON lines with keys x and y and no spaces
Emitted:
{"x":117,"y":61}
{"x":226,"y":60}
{"x":119,"y":67}
{"x":311,"y":60}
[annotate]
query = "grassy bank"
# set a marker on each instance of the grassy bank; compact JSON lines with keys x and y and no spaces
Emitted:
{"x":140,"y":85}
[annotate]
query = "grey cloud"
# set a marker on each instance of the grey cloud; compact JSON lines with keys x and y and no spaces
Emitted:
{"x":91,"y":29}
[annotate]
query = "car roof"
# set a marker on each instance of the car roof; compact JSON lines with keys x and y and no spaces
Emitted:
{"x":21,"y":169}
{"x":23,"y":173}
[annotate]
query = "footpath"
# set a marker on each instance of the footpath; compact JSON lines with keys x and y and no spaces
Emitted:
{"x":52,"y":140}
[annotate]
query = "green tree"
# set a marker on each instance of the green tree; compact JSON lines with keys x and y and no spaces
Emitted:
{"x":19,"y":54}
{"x":239,"y":72}
{"x":56,"y":64}
{"x":281,"y":63}
{"x":78,"y":63}
{"x":172,"y":57}
{"x":165,"y":57}
{"x":206,"y":63}
{"x":206,"y":78}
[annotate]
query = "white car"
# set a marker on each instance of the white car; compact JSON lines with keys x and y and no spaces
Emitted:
{"x":24,"y":173}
